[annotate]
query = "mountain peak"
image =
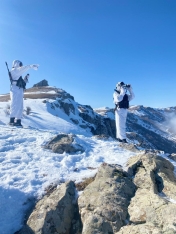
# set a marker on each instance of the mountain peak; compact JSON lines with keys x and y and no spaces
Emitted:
{"x":41,"y":83}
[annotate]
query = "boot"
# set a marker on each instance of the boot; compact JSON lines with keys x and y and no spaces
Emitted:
{"x":118,"y":139}
{"x":124,"y":141}
{"x":18,"y":123}
{"x":11,"y":121}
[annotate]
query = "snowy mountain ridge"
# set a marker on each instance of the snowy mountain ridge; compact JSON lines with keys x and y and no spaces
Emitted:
{"x":152,"y":127}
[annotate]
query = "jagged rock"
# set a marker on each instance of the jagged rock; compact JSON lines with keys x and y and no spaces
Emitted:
{"x":53,"y":214}
{"x":160,"y":170}
{"x":64,"y":143}
{"x":67,"y":107}
{"x":103,"y":203}
{"x":153,"y":177}
{"x":41,"y":83}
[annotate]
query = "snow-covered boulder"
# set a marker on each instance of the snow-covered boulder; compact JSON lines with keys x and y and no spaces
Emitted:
{"x":64,"y":143}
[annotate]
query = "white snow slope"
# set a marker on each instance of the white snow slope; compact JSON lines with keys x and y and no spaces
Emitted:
{"x":26,"y":169}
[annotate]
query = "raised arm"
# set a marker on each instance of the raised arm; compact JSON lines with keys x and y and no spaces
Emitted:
{"x":18,"y":71}
{"x":119,"y":97}
{"x":131,"y":95}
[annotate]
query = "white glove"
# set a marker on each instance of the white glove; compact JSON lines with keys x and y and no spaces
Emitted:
{"x":129,"y":88}
{"x":35,"y":66}
{"x":26,"y":78}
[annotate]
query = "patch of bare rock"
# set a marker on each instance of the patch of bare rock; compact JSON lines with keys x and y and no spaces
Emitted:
{"x":139,"y":201}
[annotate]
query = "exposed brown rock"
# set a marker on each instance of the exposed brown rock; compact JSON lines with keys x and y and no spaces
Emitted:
{"x":103,"y":203}
{"x":149,"y":211}
{"x":156,"y":173}
{"x":54,"y":213}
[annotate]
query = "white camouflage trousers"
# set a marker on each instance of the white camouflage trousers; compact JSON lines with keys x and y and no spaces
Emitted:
{"x":16,"y":107}
{"x":120,"y":118}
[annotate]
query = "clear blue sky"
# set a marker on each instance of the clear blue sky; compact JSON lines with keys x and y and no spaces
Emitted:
{"x":86,"y":46}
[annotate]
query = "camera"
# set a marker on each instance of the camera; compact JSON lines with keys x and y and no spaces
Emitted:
{"x":127,"y":86}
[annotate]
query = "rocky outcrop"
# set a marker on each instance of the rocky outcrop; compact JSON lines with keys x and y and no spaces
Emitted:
{"x":157,"y":174}
{"x":64,"y":143}
{"x":139,"y":201}
{"x":85,"y":116}
{"x":103,"y":204}
{"x":53,"y":214}
{"x":152,"y":209}
{"x":67,"y":107}
{"x":41,"y":83}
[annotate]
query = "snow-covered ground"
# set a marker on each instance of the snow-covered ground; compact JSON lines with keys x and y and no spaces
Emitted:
{"x":27,"y":169}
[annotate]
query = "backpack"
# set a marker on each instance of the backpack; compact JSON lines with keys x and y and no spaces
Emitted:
{"x":21,"y":83}
{"x":124,"y":103}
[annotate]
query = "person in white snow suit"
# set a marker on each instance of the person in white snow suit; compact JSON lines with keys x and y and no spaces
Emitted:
{"x":121,"y":100}
{"x":17,"y":92}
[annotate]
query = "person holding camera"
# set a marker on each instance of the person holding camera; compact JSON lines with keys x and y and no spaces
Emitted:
{"x":121,"y":100}
{"x":18,"y":84}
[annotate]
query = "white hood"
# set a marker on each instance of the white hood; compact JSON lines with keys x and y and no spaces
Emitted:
{"x":16,"y":63}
